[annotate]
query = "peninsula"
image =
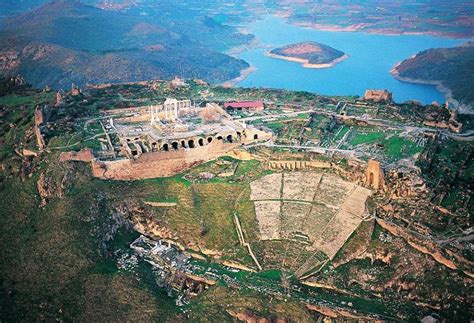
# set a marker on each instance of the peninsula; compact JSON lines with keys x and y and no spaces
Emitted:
{"x":310,"y":54}
{"x":448,"y":68}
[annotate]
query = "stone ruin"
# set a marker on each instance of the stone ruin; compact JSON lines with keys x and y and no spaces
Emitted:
{"x":296,"y":164}
{"x":168,"y":110}
{"x":378,"y":96}
{"x":452,"y":124}
{"x":374,"y":177}
{"x":42,"y":115}
{"x":59,"y":98}
{"x":75,"y":90}
{"x":163,"y":140}
{"x":314,"y":210}
{"x":177,"y":82}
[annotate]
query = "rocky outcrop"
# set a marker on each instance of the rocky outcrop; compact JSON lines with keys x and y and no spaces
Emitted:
{"x":404,"y":184}
{"x":326,"y":311}
{"x":338,"y":314}
{"x":236,"y":265}
{"x":248,"y":317}
{"x":51,"y":185}
{"x":9,"y":60}
{"x":29,"y":153}
{"x":422,"y":245}
{"x":38,"y":123}
{"x":325,"y":286}
{"x":160,"y":204}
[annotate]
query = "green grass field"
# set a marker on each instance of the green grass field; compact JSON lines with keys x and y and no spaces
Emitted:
{"x":12,"y":100}
{"x":393,"y":146}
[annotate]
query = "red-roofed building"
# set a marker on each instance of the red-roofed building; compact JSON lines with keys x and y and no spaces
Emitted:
{"x":253,"y":106}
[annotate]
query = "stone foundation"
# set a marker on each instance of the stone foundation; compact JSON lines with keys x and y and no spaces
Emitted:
{"x":84,"y":155}
{"x":160,"y":163}
{"x":296,"y":164}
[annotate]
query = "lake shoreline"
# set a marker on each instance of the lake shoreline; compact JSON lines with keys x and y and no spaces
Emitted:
{"x":237,"y":50}
{"x":306,"y":62}
{"x":243,"y":75}
{"x":371,"y":58}
{"x":448,"y":94}
{"x":374,"y":31}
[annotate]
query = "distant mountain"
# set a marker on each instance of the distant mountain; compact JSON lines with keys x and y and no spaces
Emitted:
{"x":453,"y":68}
{"x":67,"y":41}
{"x":437,"y":17}
{"x":15,"y":7}
{"x":452,"y":18}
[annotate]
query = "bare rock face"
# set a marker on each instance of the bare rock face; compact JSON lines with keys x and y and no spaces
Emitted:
{"x":119,"y":218}
{"x":404,"y":185}
{"x":45,"y":189}
{"x":429,"y":319}
{"x":29,"y":153}
{"x":145,"y":223}
{"x":50,"y":185}
{"x":9,"y":60}
{"x":247,"y":316}
{"x":421,"y":244}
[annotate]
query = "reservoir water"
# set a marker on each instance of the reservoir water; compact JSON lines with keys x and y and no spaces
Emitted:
{"x":371,"y":56}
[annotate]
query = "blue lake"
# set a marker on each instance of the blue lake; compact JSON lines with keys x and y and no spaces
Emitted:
{"x":371,"y":56}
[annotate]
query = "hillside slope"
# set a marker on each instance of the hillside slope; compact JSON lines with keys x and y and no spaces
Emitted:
{"x":63,"y":42}
{"x":450,"y":67}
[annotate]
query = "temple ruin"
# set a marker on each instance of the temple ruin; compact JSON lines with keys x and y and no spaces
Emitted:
{"x":165,"y":139}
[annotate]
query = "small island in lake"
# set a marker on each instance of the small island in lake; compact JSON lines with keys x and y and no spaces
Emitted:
{"x":310,"y":54}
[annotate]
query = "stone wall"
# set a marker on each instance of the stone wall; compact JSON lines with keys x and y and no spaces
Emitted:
{"x":39,"y":138}
{"x":41,"y":117}
{"x":378,"y":95}
{"x":151,"y":160}
{"x":296,"y":164}
{"x":84,"y":155}
{"x":160,"y":163}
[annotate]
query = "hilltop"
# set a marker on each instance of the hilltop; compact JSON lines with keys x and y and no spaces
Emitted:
{"x":70,"y":248}
{"x":451,"y":68}
{"x":63,"y":42}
